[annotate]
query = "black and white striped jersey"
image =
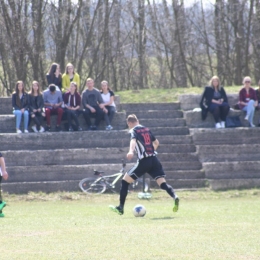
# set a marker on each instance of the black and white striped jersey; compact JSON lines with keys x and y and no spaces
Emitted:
{"x":144,"y":141}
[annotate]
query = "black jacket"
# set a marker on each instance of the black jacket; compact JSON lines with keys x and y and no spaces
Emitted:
{"x":206,"y":99}
{"x":33,"y":104}
{"x":54,"y":80}
{"x":23,"y":102}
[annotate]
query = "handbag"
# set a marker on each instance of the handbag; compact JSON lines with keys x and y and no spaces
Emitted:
{"x":233,"y":121}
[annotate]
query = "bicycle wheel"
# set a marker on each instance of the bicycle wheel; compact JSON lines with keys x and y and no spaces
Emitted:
{"x":137,"y":185}
{"x":87,"y":185}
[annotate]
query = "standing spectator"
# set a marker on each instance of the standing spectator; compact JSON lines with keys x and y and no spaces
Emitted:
{"x":52,"y":102}
{"x":214,"y":100}
{"x":3,"y":175}
{"x":36,"y":105}
{"x":109,"y":106}
{"x":54,"y":75}
{"x":72,"y":101}
{"x":91,"y":99}
{"x":69,"y":76}
{"x":20,"y":106}
{"x":248,"y":100}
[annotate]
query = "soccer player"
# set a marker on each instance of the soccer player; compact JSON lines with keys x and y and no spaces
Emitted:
{"x":4,"y":175}
{"x":145,"y":144}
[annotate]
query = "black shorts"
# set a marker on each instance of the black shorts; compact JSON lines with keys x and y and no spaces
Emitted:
{"x":150,"y":165}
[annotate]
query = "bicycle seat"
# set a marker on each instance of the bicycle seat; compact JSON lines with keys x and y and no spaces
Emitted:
{"x":97,"y":172}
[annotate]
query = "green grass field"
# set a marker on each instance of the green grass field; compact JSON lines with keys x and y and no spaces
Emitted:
{"x":163,"y":95}
{"x":209,"y":225}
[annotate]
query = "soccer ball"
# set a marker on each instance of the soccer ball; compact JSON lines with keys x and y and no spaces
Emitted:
{"x":139,"y":211}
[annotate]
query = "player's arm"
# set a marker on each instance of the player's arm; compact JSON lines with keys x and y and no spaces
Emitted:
{"x":155,"y":144}
{"x":130,"y":154}
{"x":4,"y":172}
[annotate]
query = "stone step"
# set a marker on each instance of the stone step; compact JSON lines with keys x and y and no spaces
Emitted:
{"x":227,"y":184}
{"x":227,"y":153}
{"x":84,"y":139}
{"x":170,"y":130}
{"x":73,"y":185}
{"x":150,"y":106}
{"x":243,"y":135}
{"x":7,"y":123}
{"x":69,"y":172}
{"x":154,"y":114}
{"x":183,"y":183}
{"x":176,"y":148}
{"x":196,"y":174}
{"x":162,"y":122}
{"x":232,"y":170}
{"x":82,"y":156}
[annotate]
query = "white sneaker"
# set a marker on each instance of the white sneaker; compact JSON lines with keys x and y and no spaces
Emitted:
{"x":246,"y":118}
{"x":222,"y":124}
{"x":34,"y":128}
{"x":218,"y":125}
{"x":109,"y":127}
{"x":18,"y":131}
{"x":41,"y":130}
{"x":252,"y":125}
{"x":26,"y":131}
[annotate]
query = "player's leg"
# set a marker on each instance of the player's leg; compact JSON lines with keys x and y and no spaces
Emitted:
{"x":2,"y":203}
{"x":134,"y":173}
{"x":158,"y":174}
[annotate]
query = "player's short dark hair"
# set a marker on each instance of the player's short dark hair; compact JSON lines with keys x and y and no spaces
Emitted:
{"x":132,"y":118}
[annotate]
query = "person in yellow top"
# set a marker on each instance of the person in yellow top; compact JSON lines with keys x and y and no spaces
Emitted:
{"x":69,"y":76}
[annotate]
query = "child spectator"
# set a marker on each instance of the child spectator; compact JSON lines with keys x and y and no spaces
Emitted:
{"x":69,"y":76}
{"x":54,"y":75}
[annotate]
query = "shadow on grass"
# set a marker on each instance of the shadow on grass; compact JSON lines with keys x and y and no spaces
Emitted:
{"x":164,"y":218}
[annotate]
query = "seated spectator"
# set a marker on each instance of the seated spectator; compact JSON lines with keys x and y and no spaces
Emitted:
{"x":52,"y":102}
{"x":108,"y":106}
{"x":72,"y":101}
{"x":69,"y":76}
{"x":257,"y":90}
{"x":54,"y":75}
{"x":248,"y":100}
{"x":36,"y":105}
{"x":20,"y":107}
{"x":91,"y":99}
{"x":214,"y":100}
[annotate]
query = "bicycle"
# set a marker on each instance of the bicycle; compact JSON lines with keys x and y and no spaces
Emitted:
{"x":110,"y":182}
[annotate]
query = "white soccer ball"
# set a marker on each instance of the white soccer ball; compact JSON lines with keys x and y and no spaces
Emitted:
{"x":139,"y":211}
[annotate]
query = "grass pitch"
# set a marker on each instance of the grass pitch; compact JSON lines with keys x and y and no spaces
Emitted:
{"x":208,"y":225}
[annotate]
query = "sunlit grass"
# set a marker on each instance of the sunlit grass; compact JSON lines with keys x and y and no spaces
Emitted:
{"x":209,"y":225}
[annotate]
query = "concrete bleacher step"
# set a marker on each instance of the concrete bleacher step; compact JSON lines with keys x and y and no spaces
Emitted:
{"x":232,"y":152}
{"x":82,"y":156}
{"x":183,"y":183}
{"x":7,"y":123}
{"x":154,"y":114}
{"x":149,"y":106}
{"x":162,"y":122}
{"x":232,"y":175}
{"x":225,"y":136}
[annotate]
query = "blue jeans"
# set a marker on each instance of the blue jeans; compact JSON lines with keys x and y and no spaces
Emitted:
{"x":250,"y":110}
{"x":18,"y":114}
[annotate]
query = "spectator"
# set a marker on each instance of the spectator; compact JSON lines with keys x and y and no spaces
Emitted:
{"x":4,"y":175}
{"x":36,"y":105}
{"x":52,"y":102}
{"x":91,"y":99}
{"x":54,"y":75}
{"x":257,"y":90}
{"x":108,"y":106}
{"x":20,"y":106}
{"x":69,"y":76}
{"x":214,"y":100}
{"x":72,"y":101}
{"x":248,"y":100}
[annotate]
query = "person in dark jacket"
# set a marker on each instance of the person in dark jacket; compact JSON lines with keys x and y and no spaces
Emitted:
{"x":20,"y":106}
{"x":214,"y":100}
{"x":54,"y":76}
{"x":248,"y":100}
{"x":36,"y":105}
{"x":72,"y":101}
